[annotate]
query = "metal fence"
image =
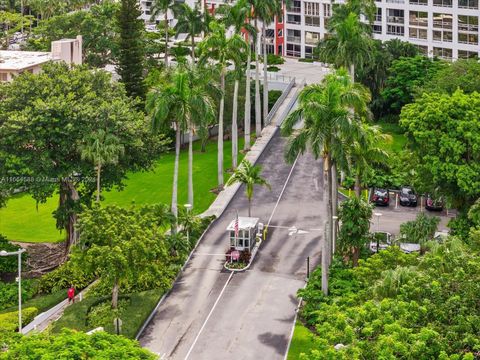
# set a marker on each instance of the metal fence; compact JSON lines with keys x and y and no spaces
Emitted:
{"x":273,"y":76}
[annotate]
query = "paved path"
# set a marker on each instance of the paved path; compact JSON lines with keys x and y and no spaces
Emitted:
{"x":212,"y":314}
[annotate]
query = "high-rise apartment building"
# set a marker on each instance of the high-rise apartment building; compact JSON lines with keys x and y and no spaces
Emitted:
{"x":443,"y":28}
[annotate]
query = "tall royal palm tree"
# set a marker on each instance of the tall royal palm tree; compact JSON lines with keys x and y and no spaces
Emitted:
{"x":102,"y":149}
{"x":265,"y":11}
{"x":189,"y":21}
{"x":327,"y":120}
{"x":349,"y":43}
{"x":237,"y":17}
{"x":248,"y":175}
{"x":162,"y":7}
{"x":221,"y":49}
{"x":177,"y":104}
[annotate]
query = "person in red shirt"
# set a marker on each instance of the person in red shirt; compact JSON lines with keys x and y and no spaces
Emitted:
{"x":71,"y":295}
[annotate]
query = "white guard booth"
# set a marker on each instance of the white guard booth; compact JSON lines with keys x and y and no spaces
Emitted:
{"x":247,"y":232}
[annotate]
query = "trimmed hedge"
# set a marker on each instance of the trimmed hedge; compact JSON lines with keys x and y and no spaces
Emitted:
{"x":9,"y":321}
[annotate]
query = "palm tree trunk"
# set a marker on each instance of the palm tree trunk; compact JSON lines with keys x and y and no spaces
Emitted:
{"x":249,"y":207}
{"x":190,"y":167}
{"x":175,"y":177}
{"x":258,"y":111}
{"x":335,"y":202}
{"x":352,"y":72}
{"x":265,"y":73}
{"x":115,"y":295}
{"x":193,"y":49}
{"x":330,"y":212}
{"x":235,"y":125}
{"x":166,"y":38}
{"x":99,"y":167}
{"x":248,"y":105}
{"x":358,"y":186}
{"x":326,"y":196}
{"x":220,"y":131}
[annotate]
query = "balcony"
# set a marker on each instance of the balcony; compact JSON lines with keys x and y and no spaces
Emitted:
{"x":294,"y":39}
{"x":395,"y":19}
{"x":294,"y":9}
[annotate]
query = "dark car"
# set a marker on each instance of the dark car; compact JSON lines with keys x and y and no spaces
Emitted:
{"x":380,"y":197}
{"x":407,"y":196}
{"x":433,"y":204}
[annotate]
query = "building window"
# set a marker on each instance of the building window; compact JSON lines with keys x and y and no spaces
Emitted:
{"x":377,"y":29}
{"x":468,"y":23}
{"x":378,"y":15}
{"x":395,"y":16}
{"x":423,"y":49}
{"x":418,"y":2}
{"x":294,"y":50}
{"x":468,"y":4}
{"x":442,"y":21}
{"x":294,"y":36}
{"x":395,"y":30}
{"x":418,"y":18}
{"x":3,"y":76}
{"x":468,"y":38}
{"x":442,"y":53}
{"x":417,"y":33}
{"x":295,"y":6}
{"x":293,"y":19}
{"x":308,"y":52}
{"x":442,"y":35}
{"x":327,"y":10}
{"x":312,"y":38}
{"x":443,"y":3}
{"x":312,"y":9}
{"x":465,"y":54}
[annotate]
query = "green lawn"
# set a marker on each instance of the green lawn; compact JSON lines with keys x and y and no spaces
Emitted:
{"x":42,"y":302}
{"x":301,"y":342}
{"x":398,"y":138}
{"x":140,"y":307}
{"x":21,"y":220}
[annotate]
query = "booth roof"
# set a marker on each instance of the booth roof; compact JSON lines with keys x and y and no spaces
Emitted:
{"x":244,"y":223}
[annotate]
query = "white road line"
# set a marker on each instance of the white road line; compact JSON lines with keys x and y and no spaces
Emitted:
{"x":209,"y":314}
{"x":283,"y":190}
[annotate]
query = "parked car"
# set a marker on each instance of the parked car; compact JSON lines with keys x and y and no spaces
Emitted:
{"x":380,"y":197}
{"x":407,"y":196}
{"x":433,"y":204}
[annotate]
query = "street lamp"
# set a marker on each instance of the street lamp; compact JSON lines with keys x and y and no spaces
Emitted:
{"x":334,"y":218}
{"x":19,"y":253}
{"x":378,"y":215}
{"x":188,"y":207}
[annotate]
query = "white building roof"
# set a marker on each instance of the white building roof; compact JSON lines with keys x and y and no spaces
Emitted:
{"x":19,"y":60}
{"x":244,"y":223}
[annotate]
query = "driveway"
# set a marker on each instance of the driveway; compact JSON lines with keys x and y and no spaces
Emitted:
{"x":214,"y":314}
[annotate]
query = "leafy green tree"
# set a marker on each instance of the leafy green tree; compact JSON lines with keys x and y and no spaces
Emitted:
{"x":355,"y":215}
{"x":11,"y":23}
{"x":327,"y":122}
{"x":420,"y":230}
{"x":462,"y":74}
{"x":248,"y":175}
{"x":444,"y":134}
{"x":116,"y":243}
{"x":60,"y":108}
{"x":405,"y":76}
{"x":101,"y":148}
{"x":73,"y":344}
{"x":222,"y":49}
{"x":98,"y":28}
{"x":162,"y":7}
{"x":131,"y":54}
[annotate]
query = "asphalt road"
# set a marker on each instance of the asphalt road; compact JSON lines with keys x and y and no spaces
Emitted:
{"x":212,"y":314}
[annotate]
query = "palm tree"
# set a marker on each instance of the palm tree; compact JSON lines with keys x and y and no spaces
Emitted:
{"x":237,"y":16}
{"x":162,"y":7}
{"x":248,"y":175}
{"x":177,"y":104}
{"x":266,"y":10}
{"x":365,"y":152}
{"x":349,"y":43}
{"x":222,"y":49}
{"x":327,"y":119}
{"x":101,"y":148}
{"x":190,"y":21}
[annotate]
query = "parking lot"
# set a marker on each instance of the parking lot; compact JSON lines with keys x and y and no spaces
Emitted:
{"x":393,"y":215}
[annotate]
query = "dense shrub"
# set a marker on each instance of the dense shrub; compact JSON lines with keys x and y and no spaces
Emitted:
{"x":9,"y":292}
{"x":398,"y":306}
{"x":9,"y":264}
{"x":9,"y":321}
{"x":306,"y":60}
{"x":63,"y":277}
{"x":273,"y":69}
{"x":273,"y":59}
{"x":101,"y":314}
